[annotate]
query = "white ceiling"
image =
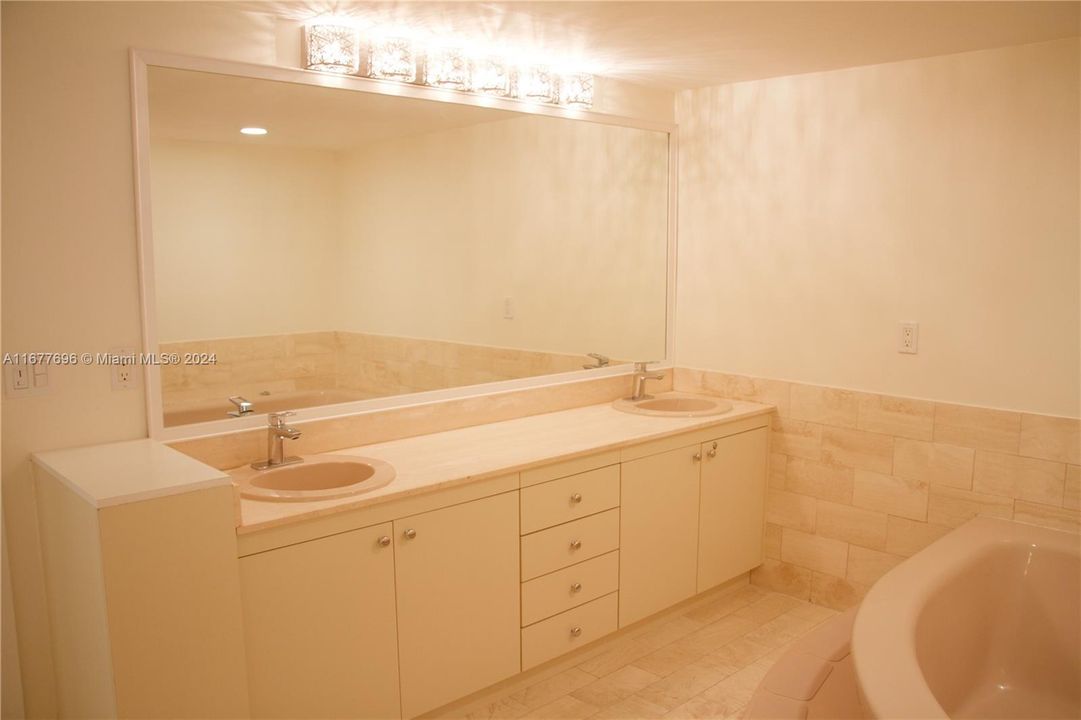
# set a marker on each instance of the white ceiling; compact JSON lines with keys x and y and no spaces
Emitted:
{"x":679,"y":45}
{"x":187,"y":105}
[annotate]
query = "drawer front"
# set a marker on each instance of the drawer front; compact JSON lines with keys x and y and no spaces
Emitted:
{"x":569,"y":467}
{"x":549,"y":550}
{"x":551,"y":594}
{"x":568,"y":631}
{"x":569,"y":498}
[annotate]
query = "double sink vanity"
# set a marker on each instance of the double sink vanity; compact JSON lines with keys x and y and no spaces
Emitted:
{"x":389,"y":580}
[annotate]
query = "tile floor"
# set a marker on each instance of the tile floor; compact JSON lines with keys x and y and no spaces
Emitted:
{"x":703,"y":661}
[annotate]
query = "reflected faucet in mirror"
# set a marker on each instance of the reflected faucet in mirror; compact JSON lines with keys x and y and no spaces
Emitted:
{"x":243,"y":406}
{"x":602,"y":361}
{"x":277,"y":433}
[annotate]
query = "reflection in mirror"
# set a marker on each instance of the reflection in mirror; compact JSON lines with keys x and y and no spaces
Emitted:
{"x":370,"y":245}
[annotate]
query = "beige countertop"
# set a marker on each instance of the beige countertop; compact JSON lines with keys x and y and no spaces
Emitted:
{"x":442,"y":460}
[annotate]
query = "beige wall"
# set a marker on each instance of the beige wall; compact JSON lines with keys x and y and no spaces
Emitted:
{"x":819,"y":211}
{"x":245,"y":239}
{"x":568,"y":219}
{"x":70,"y":277}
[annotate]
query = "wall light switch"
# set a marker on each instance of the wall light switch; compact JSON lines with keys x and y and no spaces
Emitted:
{"x":508,"y":309}
{"x":24,"y":380}
{"x":908,"y":338}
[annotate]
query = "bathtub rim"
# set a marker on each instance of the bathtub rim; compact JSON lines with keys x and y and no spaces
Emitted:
{"x":888,"y":674}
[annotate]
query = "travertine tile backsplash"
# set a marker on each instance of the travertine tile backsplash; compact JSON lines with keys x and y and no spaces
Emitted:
{"x":859,"y":481}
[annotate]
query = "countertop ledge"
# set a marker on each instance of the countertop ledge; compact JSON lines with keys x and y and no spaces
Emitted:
{"x":127,"y":472}
{"x":439,"y":461}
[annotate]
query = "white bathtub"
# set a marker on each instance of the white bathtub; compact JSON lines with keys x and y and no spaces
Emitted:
{"x":984,"y":623}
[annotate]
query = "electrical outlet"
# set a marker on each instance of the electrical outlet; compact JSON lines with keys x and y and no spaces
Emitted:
{"x":124,"y":373}
{"x":908,"y":338}
{"x":508,"y":308}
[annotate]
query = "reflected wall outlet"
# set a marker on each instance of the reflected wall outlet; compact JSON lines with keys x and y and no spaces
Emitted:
{"x":908,"y":338}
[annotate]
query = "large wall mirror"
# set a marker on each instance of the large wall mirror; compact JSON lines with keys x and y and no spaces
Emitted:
{"x":373,"y":245}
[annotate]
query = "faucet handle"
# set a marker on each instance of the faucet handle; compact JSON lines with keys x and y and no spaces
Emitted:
{"x":643,"y":365}
{"x":277,"y":419}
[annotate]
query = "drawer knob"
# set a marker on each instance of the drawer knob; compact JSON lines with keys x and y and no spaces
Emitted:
{"x":384,"y":541}
{"x":410,"y":533}
{"x":713,"y":451}
{"x":576,"y":587}
{"x":576,"y":631}
{"x":576,"y":544}
{"x":576,"y":498}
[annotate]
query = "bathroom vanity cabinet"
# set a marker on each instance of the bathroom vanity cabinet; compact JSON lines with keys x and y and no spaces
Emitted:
{"x":691,"y":518}
{"x":428,"y":603}
{"x":320,"y":627}
{"x":444,"y":594}
{"x":501,"y":548}
{"x":442,"y":599}
{"x":456,"y":579}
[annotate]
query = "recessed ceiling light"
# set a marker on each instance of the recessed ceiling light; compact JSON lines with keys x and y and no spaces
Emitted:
{"x":253,"y":131}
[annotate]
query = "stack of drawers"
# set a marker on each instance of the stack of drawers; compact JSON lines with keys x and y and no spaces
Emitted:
{"x":570,"y":555}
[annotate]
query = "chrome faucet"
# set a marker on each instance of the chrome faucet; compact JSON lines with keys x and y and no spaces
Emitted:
{"x":602,"y":361}
{"x":641,"y":374}
{"x":277,"y":433}
{"x":243,"y":406}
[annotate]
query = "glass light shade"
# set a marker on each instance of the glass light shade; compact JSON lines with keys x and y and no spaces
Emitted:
{"x":576,"y":89}
{"x":392,"y":58}
{"x":537,"y":83}
{"x":332,"y":48}
{"x":447,"y":67}
{"x":491,"y":76}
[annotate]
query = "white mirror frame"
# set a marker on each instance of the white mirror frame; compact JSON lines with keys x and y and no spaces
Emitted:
{"x":141,"y":60}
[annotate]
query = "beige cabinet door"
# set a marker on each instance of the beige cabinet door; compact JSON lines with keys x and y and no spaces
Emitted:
{"x":319,"y":626}
{"x":458,"y":600}
{"x":732,"y":509}
{"x":658,"y":538}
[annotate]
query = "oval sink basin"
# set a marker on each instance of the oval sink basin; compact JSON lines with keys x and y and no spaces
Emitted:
{"x":319,"y":477}
{"x":674,"y":405}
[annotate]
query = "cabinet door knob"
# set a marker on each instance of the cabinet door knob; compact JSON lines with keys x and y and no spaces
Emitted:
{"x":576,"y":587}
{"x":712,"y":453}
{"x":576,"y":498}
{"x":384,"y":541}
{"x":410,"y":533}
{"x":576,"y":544}
{"x":576,"y":631}
{"x":697,"y":457}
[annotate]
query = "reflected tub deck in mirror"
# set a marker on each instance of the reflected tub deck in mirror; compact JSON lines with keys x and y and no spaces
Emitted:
{"x":281,"y":372}
{"x":416,"y":245}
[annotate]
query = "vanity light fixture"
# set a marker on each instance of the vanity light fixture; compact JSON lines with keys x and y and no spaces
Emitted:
{"x":576,"y":89}
{"x":332,"y":47}
{"x":392,"y":58}
{"x":391,"y":53}
{"x":446,"y":67}
{"x":491,"y":76}
{"x":537,"y":83}
{"x":253,"y":131}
